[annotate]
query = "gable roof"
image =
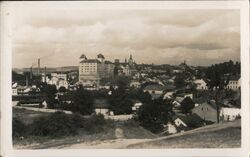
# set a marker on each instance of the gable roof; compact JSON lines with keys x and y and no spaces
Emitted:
{"x":199,"y":100}
{"x":101,"y":103}
{"x":90,"y":61}
{"x":190,"y":120}
{"x":155,"y":87}
{"x":100,"y":56}
{"x":108,"y":62}
{"x":210,"y":103}
{"x":83,"y":56}
{"x":234,"y":78}
{"x":182,"y":94}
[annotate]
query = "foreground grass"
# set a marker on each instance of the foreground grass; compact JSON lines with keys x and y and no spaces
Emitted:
{"x":223,"y":138}
{"x":101,"y":133}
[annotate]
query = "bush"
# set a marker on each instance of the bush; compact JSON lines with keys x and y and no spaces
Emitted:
{"x":18,"y":128}
{"x":78,"y":120}
{"x":131,"y":123}
{"x":154,"y":115}
{"x":57,"y":124}
{"x":95,"y":123}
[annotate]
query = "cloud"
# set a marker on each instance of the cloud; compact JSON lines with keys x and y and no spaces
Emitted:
{"x":159,"y":36}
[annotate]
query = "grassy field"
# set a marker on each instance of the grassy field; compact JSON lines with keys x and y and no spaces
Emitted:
{"x":130,"y":129}
{"x":26,"y":116}
{"x":224,"y":135}
{"x":227,"y":135}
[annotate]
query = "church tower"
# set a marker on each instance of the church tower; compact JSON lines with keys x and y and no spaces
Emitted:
{"x":130,"y":61}
{"x":82,"y":58}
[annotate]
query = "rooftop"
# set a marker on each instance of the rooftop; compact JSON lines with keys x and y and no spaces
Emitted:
{"x":90,"y":61}
{"x":190,"y":120}
{"x":100,"y":56}
{"x":101,"y":103}
{"x":155,"y":87}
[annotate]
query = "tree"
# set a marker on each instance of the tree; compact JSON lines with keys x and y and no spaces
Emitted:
{"x":120,"y":102}
{"x":82,"y":101}
{"x":179,"y":81}
{"x":62,"y":89}
{"x":154,"y":114}
{"x":187,"y":105}
{"x":50,"y":92}
{"x":218,"y":76}
{"x":122,"y":82}
{"x":144,"y":97}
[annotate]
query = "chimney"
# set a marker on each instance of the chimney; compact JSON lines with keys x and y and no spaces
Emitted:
{"x":31,"y":73}
{"x":27,"y":81}
{"x":38,"y":68}
{"x":45,"y":75}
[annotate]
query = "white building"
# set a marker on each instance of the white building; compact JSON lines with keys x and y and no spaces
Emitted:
{"x":170,"y":128}
{"x":201,"y":84}
{"x":230,"y":114}
{"x":135,"y":84}
{"x":92,"y":70}
{"x":101,"y":106}
{"x":234,"y":83}
{"x":136,"y":105}
{"x":14,"y":91}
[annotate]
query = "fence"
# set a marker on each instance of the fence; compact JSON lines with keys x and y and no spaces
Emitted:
{"x":42,"y":109}
{"x":119,"y":117}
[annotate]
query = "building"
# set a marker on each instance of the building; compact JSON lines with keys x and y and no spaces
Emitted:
{"x":155,"y":90}
{"x":207,"y":111}
{"x":182,"y":96}
{"x":91,"y":71}
{"x":230,"y":114}
{"x":234,"y":83}
{"x":135,"y":84}
{"x":101,"y":106}
{"x":184,"y":122}
{"x":126,"y":68}
{"x":200,"y":84}
{"x":136,"y":104}
{"x":170,"y":128}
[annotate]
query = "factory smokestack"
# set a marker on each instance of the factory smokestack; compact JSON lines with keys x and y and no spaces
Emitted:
{"x":45,"y":75}
{"x":38,"y":68}
{"x":31,"y":73}
{"x":27,"y":81}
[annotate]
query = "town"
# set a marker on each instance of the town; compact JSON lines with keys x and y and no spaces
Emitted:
{"x":164,"y":99}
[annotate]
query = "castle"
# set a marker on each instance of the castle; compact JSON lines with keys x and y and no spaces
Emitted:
{"x":91,"y":71}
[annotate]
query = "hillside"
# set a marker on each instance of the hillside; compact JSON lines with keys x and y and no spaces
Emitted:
{"x":227,"y":135}
{"x":48,"y":69}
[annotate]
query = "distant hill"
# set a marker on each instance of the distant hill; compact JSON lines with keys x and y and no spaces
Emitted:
{"x":49,"y":69}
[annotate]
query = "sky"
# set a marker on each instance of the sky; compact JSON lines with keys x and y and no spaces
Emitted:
{"x":59,"y":37}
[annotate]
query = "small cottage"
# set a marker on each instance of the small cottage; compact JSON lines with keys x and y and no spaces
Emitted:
{"x":101,"y":106}
{"x":207,"y":111}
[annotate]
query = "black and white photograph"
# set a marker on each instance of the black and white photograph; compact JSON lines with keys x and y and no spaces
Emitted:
{"x":92,"y":77}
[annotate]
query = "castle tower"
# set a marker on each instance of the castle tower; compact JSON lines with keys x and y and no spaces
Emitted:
{"x":83,"y":57}
{"x":130,"y":61}
{"x":100,"y":57}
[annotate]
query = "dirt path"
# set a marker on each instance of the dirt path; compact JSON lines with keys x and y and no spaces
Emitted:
{"x":107,"y":144}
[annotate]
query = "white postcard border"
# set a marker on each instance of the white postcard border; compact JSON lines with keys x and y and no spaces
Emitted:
{"x":6,"y":59}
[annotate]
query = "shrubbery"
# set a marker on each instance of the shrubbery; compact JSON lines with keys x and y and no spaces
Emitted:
{"x":95,"y":123}
{"x":59,"y":124}
{"x":153,"y":115}
{"x":18,"y":128}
